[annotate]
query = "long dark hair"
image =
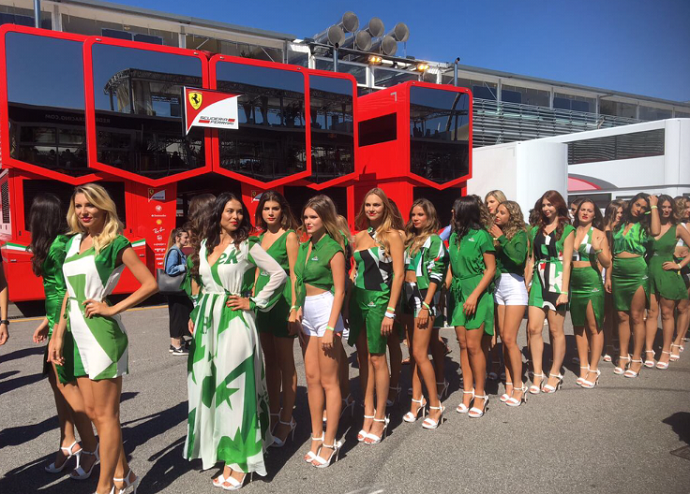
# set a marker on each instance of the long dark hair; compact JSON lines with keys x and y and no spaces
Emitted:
{"x":611,"y":213}
{"x":466,"y":216}
{"x":199,"y":214}
{"x":675,"y":216}
{"x":627,"y":217}
{"x":556,"y":199}
{"x":46,"y":221}
{"x":597,"y":221}
{"x":212,"y":235}
{"x":287,"y":219}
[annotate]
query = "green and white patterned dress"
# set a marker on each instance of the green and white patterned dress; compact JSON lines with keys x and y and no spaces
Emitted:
{"x":100,"y":342}
{"x":228,"y":402}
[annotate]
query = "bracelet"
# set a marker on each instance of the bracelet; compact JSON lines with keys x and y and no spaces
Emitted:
{"x":564,"y":293}
{"x":330,"y":328}
{"x":597,"y":252}
{"x":654,"y":207}
{"x":426,"y":306}
{"x":390,"y":309}
{"x":390,"y":315}
{"x":294,"y":307}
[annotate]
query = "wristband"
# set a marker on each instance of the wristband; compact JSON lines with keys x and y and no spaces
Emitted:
{"x":426,"y":306}
{"x":6,"y":322}
{"x":564,"y":293}
{"x":390,"y":309}
{"x":329,"y":328}
{"x":597,"y":252}
{"x":294,"y":307}
{"x":654,"y":207}
{"x":390,"y":315}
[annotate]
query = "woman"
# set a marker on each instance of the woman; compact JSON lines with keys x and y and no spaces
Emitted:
{"x":47,"y":224}
{"x":229,"y":423}
{"x":179,"y":305}
{"x":320,"y":278}
{"x":426,"y":265}
{"x":472,"y":269}
{"x":550,"y":257}
{"x":378,"y":253}
{"x":628,"y":278}
{"x":493,"y":199}
{"x":199,"y":213}
{"x":681,"y":252}
{"x":612,"y":218}
{"x":97,"y":254}
{"x":279,"y":240}
{"x":666,"y":287}
{"x":510,"y":296}
{"x":587,"y":290}
{"x":488,"y":211}
{"x":398,"y":334}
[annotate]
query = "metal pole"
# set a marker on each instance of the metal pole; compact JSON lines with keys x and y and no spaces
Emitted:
{"x":335,"y":58}
{"x":37,"y":13}
{"x":455,"y":72}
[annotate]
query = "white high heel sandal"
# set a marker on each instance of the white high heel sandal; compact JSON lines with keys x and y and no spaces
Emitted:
{"x":462,"y":408}
{"x":410,"y":417}
{"x":79,"y":473}
{"x":430,"y":423}
{"x":128,"y":483}
{"x":68,"y":453}
{"x":374,"y":438}
{"x":475,"y":412}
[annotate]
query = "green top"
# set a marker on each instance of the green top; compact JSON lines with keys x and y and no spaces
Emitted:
{"x":585,"y":251}
{"x":315,"y":271}
{"x":543,"y":250}
{"x":278,"y":251}
{"x":467,"y":255}
{"x":53,"y":280}
{"x":429,"y":263}
{"x":511,"y":255}
{"x":634,"y":242}
{"x":665,"y":246}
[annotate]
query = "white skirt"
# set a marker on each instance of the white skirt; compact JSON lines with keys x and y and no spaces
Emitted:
{"x":511,"y":290}
{"x":317,"y":312}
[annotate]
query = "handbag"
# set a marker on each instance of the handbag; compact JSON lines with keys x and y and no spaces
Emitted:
{"x":169,"y":285}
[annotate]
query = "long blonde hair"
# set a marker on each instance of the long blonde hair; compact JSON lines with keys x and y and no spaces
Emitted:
{"x":324,"y":207}
{"x":415,"y":239}
{"x":100,"y":198}
{"x":387,"y":223}
{"x":516,"y":222}
{"x":496,"y":194}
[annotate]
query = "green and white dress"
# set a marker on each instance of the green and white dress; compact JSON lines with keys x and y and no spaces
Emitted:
{"x":100,"y":342}
{"x":228,"y":403}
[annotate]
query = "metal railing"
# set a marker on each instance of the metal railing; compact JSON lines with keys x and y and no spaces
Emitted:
{"x":497,"y":122}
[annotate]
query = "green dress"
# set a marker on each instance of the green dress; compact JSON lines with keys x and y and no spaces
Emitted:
{"x":667,"y":284}
{"x":467,"y":268}
{"x":547,"y":280}
{"x":228,"y":417}
{"x":275,"y":321}
{"x":100,"y":342}
{"x":586,"y":285}
{"x":629,"y":273}
{"x":55,"y":289}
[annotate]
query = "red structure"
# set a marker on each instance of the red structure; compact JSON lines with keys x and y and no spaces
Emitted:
{"x":77,"y":109}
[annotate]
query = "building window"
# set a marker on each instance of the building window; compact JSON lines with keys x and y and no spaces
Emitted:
{"x":525,"y":96}
{"x":574,"y":103}
{"x":648,"y":113}
{"x":617,"y":109}
{"x":480,"y":89}
{"x":618,"y":147}
{"x":94,"y":27}
{"x":377,"y":130}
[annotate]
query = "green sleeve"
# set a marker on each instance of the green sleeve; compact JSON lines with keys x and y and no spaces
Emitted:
{"x":112,"y":250}
{"x":300,"y":292}
{"x":436,"y":258}
{"x":515,"y":249}
{"x":486,"y":244}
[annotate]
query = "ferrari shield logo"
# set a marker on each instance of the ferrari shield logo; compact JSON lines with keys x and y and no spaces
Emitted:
{"x":195,"y":99}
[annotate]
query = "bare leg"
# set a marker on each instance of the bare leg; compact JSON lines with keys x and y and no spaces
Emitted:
{"x":468,"y":377}
{"x":582,"y":350}
{"x":476,"y":342}
{"x":379,"y":367}
{"x":637,"y":309}
{"x":366,"y":374}
{"x":651,"y":327}
{"x":65,"y":419}
{"x":667,"y":325}
{"x":410,"y":324}
{"x":438,"y":353}
{"x":315,"y":395}
{"x":609,"y":323}
{"x":288,"y":382}
{"x":535,"y":327}
{"x":596,"y":342}
{"x":420,"y":350}
{"x":329,"y":369}
{"x":556,"y":321}
{"x":511,"y":351}
{"x":500,"y":318}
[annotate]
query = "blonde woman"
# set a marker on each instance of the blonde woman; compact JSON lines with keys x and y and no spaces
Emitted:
{"x":492,"y":199}
{"x":426,"y":265}
{"x":96,"y":255}
{"x":378,"y":253}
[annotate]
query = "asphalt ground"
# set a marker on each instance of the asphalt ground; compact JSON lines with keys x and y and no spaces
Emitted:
{"x":625,"y":436}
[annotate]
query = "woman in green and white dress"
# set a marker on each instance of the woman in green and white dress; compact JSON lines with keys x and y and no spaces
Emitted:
{"x":96,"y":256}
{"x":228,"y":403}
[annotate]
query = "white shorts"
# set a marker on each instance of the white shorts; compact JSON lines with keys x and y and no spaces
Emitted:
{"x":510,"y":290}
{"x":316,"y":313}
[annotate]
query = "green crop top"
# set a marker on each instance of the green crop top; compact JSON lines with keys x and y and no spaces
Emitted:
{"x":511,"y":255}
{"x":634,"y":242}
{"x":315,"y":271}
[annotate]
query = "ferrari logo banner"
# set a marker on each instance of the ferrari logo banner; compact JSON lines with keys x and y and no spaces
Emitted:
{"x":206,"y":108}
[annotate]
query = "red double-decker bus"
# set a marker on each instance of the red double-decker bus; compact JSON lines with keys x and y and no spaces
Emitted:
{"x":77,"y":109}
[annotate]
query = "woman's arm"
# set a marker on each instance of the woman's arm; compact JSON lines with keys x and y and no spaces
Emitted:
{"x":655,"y":226}
{"x":568,"y":246}
{"x":292,"y":247}
{"x":55,"y":345}
{"x":601,"y":247}
{"x":529,"y":265}
{"x":397,"y":256}
{"x":173,"y":264}
{"x":41,"y":332}
{"x":682,"y":233}
{"x":339,"y":271}
{"x":470,"y":305}
{"x":265,"y":299}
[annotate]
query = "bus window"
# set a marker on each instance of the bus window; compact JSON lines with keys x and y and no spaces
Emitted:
{"x":271,"y":140}
{"x":45,"y":89}
{"x":332,"y":127}
{"x":439,"y":134}
{"x":139,"y":111}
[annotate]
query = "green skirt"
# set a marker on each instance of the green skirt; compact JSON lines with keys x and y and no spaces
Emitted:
{"x":585,"y":287}
{"x":367,"y":310}
{"x":667,"y":284}
{"x":628,"y":275}
{"x":484,"y":314}
{"x":275,"y":321}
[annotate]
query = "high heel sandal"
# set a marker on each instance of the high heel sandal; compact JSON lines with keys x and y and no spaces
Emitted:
{"x":548,"y":389}
{"x":675,"y":357}
{"x":127,"y":483}
{"x":580,"y":379}
{"x":512,"y":402}
{"x":505,"y":396}
{"x":112,"y":491}
{"x":322,"y":463}
{"x":534,"y":389}
{"x":389,"y":402}
{"x":462,"y":408}
{"x":649,"y":364}
{"x":236,"y":485}
{"x":410,"y":417}
{"x":430,"y":423}
{"x":618,"y":370}
{"x":590,"y":384}
{"x":309,"y":457}
{"x":377,"y":439}
{"x":475,"y":412}
{"x":278,"y":442}
{"x":79,"y":473}
{"x":362,"y":434}
{"x":67,"y":452}
{"x":218,"y":481}
{"x":632,"y":373}
{"x":662,"y":365}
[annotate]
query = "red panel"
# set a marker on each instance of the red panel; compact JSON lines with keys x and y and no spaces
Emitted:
{"x":91,"y":111}
{"x":215,"y":60}
{"x":5,"y":159}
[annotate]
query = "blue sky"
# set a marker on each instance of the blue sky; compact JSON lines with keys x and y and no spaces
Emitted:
{"x":636,"y":46}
